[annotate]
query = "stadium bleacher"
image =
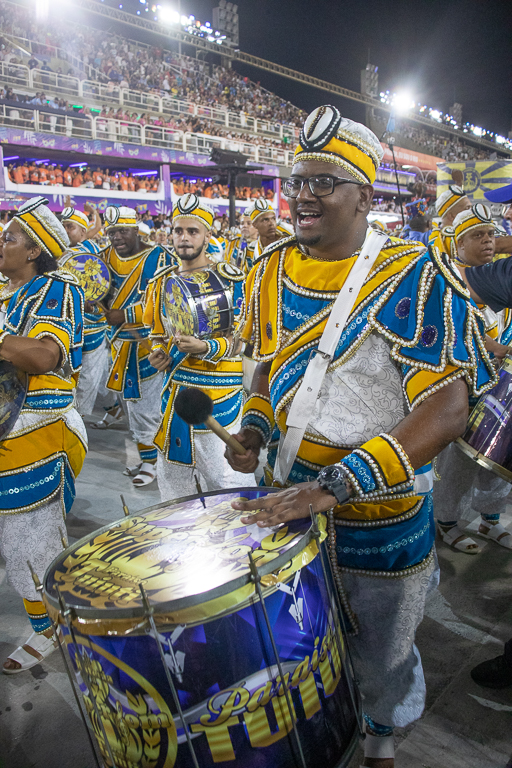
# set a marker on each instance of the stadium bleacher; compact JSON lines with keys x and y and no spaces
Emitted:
{"x":157,"y":97}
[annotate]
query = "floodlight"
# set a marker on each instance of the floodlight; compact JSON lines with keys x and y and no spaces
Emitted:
{"x":402,"y":102}
{"x":169,"y":15}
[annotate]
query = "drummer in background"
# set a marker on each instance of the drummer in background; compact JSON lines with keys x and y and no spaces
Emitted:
{"x":132,"y":378}
{"x":264,"y":220}
{"x":236,"y":248}
{"x":365,"y":451}
{"x":44,"y":452}
{"x":212,"y":365}
{"x":96,"y":350}
{"x":448,"y":205}
{"x":465,"y":485}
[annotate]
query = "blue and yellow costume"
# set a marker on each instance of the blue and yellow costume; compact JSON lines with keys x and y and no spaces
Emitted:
{"x":217,"y":372}
{"x":412,"y":330}
{"x":244,"y":254}
{"x":44,"y":452}
{"x":131,"y":372}
{"x":464,"y":485}
{"x":288,"y":299}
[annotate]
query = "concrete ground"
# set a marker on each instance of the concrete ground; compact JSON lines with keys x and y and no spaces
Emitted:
{"x":467,"y":621}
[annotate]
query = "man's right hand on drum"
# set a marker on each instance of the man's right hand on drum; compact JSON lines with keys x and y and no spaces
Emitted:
{"x":252,"y":442}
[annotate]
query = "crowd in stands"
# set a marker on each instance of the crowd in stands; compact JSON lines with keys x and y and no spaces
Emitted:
{"x":121,"y":63}
{"x":447,"y":147}
{"x":122,"y":124}
{"x":130,"y":65}
{"x":213,"y":190}
{"x":55,"y":175}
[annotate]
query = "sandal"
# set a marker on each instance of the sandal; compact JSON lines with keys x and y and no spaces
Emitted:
{"x":497,"y":533}
{"x":110,"y":418}
{"x":37,"y":648}
{"x":458,"y":540}
{"x":146,"y":474}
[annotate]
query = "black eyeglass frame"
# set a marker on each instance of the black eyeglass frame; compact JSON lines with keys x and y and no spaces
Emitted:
{"x":336,"y":180}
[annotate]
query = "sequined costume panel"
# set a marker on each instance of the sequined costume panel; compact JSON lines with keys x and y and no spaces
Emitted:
{"x":45,"y":450}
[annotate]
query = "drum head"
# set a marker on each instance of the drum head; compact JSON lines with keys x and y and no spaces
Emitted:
{"x":13,"y":389}
{"x":91,"y":272}
{"x":192,"y":560}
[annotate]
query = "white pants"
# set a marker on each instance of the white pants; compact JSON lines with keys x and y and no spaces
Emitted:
{"x":32,"y":536}
{"x":93,"y":377}
{"x":386,"y":661}
{"x":144,"y":414}
{"x":212,"y":470}
{"x":465,"y":485}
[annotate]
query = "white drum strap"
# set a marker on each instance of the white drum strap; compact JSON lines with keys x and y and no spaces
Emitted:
{"x":303,"y":403}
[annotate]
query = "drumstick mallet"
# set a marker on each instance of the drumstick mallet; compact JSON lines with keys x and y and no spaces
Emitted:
{"x":195,"y":407}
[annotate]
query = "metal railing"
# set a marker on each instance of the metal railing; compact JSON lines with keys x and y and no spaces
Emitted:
{"x":110,"y":129}
{"x":69,"y":86}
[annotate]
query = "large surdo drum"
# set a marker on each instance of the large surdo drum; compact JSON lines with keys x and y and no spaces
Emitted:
{"x":488,"y":437}
{"x":214,"y":661}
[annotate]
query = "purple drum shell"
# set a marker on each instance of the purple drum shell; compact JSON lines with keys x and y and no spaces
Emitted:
{"x":488,"y":437}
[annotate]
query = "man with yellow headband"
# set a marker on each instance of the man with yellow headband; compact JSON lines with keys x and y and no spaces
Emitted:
{"x":448,"y":205}
{"x":95,"y":351}
{"x":132,"y":264}
{"x":79,"y":229}
{"x":263,"y":220}
{"x":43,"y":446}
{"x":465,"y":485}
{"x":357,"y":362}
{"x":185,"y":452}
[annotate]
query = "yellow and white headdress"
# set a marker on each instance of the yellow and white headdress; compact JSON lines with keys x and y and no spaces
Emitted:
{"x":328,"y":136}
{"x":466,"y":221}
{"x":73,"y":214}
{"x":189,"y":206}
{"x":43,"y":226}
{"x":258,"y":208}
{"x":120,"y":217}
{"x":448,"y":199}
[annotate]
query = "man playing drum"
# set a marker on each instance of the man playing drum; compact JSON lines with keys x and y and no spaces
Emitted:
{"x":41,"y":334}
{"x":358,"y":423}
{"x":132,"y":264}
{"x":465,"y":485}
{"x":209,"y":364}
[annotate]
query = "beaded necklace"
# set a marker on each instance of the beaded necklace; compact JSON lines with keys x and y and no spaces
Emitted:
{"x":305,"y":252}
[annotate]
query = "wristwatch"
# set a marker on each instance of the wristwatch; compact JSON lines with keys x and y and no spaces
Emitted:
{"x":334,"y":480}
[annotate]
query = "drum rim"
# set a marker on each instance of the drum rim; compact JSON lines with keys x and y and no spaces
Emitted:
{"x":67,"y":256}
{"x":87,"y":613}
{"x":483,"y":460}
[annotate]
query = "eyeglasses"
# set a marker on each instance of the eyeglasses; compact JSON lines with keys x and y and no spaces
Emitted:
{"x":319,"y":186}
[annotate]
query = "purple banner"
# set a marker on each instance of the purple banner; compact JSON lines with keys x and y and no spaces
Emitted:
{"x":110,"y":149}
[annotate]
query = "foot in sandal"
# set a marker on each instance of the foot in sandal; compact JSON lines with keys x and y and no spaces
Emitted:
{"x":37,"y":648}
{"x":493,"y":530}
{"x":145,"y":475}
{"x":457,"y":539}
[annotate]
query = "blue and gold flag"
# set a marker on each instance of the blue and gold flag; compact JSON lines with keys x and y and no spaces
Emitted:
{"x":479,"y":176}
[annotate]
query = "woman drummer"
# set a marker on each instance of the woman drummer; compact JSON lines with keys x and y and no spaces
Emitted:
{"x":41,"y":335}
